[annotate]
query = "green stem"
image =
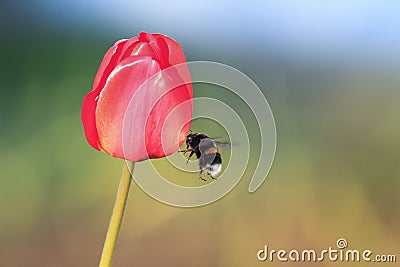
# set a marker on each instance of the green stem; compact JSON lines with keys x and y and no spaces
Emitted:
{"x":116,"y":217}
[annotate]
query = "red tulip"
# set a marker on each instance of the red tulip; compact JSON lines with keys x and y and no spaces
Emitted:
{"x":141,"y":103}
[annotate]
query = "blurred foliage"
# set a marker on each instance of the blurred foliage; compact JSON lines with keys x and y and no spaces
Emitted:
{"x":336,"y":171}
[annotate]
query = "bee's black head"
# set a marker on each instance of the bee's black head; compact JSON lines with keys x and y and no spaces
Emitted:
{"x":193,"y":139}
{"x":189,"y":138}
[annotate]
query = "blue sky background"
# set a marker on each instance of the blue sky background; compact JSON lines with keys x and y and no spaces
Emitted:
{"x":324,"y":29}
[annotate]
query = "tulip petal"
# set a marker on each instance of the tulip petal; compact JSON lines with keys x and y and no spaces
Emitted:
{"x":171,"y":54}
{"x":89,"y":103}
{"x":168,"y":51}
{"x":88,"y":119}
{"x":147,"y":133}
{"x":109,"y":62}
{"x":127,"y":48}
{"x":143,"y":49}
{"x":120,"y":87}
{"x":167,"y":125}
{"x":171,"y":48}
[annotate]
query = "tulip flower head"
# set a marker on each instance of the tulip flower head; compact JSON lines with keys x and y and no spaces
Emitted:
{"x":141,"y":103}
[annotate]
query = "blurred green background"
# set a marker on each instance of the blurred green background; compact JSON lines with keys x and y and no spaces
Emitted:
{"x":329,"y":71}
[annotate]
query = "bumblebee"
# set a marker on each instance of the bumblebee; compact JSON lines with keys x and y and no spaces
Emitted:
{"x":207,"y":153}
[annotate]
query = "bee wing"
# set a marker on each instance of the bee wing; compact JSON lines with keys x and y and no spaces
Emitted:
{"x":220,"y":139}
{"x":223,"y":143}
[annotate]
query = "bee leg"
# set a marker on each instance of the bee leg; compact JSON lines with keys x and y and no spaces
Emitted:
{"x":213,"y":177}
{"x":190,"y":155}
{"x":200,"y":176}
